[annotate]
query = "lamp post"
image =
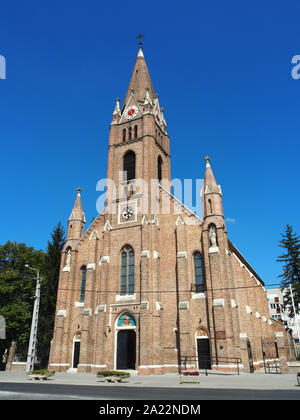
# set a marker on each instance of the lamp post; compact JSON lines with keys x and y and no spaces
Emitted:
{"x":33,"y":332}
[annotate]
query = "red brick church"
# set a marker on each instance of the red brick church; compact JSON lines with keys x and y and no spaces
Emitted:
{"x":149,"y":283}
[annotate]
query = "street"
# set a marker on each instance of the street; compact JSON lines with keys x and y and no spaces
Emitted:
{"x":52,"y":391}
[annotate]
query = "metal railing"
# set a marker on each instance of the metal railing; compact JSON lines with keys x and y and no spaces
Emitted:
{"x":205,"y":363}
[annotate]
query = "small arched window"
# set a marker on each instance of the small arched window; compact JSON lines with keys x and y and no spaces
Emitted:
{"x":127,"y":271}
{"x":130,"y":133}
{"x":83,"y":282}
{"x":159,"y":168}
{"x":135,"y":131}
{"x":198,"y":270}
{"x":129,"y":165}
{"x":210,"y":206}
{"x":124,"y":134}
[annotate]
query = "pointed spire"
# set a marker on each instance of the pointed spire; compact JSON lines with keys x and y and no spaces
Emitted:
{"x":209,"y":179}
{"x":212,"y":194}
{"x":140,"y":53}
{"x":77,"y":212}
{"x":140,"y":80}
{"x":117,"y":107}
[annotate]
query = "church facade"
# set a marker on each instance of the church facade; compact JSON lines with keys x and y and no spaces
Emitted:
{"x":149,"y":285}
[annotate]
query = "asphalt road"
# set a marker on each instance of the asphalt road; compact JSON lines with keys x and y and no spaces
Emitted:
{"x":45,"y":391}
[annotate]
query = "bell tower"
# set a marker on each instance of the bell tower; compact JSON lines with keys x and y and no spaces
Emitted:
{"x":139,"y":151}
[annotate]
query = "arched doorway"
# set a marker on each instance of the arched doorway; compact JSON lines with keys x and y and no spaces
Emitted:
{"x":76,"y":350}
{"x":125,"y":342}
{"x":203,"y":349}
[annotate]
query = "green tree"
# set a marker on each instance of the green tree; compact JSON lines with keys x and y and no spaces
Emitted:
{"x":49,"y":293}
{"x":17,"y":290}
{"x":291,"y":269}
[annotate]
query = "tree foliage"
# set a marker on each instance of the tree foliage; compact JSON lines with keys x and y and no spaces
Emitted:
{"x":17,"y":291}
{"x":290,"y":242}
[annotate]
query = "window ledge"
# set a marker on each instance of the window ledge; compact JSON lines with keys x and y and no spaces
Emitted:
{"x":125,"y":297}
{"x":198,"y":295}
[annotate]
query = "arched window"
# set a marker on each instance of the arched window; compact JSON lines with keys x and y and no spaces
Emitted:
{"x":129,"y":165}
{"x":199,"y":275}
{"x":83,"y":281}
{"x":124,"y":134}
{"x":127,"y":271}
{"x":135,"y":131}
{"x":210,"y":206}
{"x":159,"y":168}
{"x":130,"y":133}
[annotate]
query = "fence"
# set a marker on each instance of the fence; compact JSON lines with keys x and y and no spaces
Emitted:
{"x":205,"y":363}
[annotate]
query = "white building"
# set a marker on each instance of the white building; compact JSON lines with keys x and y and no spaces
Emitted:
{"x":275,"y":302}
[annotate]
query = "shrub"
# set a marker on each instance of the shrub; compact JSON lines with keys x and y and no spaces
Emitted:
{"x":113,"y":373}
{"x":42,"y":372}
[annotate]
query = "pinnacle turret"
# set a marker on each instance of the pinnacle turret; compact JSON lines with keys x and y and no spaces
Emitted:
{"x":77,"y":218}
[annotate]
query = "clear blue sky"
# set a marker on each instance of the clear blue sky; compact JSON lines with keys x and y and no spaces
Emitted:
{"x":223,"y":74}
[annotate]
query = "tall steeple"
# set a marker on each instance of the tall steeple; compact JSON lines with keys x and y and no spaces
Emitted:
{"x":138,"y":128}
{"x":77,"y":219}
{"x":140,"y":80}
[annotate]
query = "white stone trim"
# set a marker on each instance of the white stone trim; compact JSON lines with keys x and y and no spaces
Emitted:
{"x":62,"y":312}
{"x":182,"y":254}
{"x":213,"y":249}
{"x":158,"y":306}
{"x":257,"y":314}
{"x":100,"y":308}
{"x":94,"y":234}
{"x":145,"y":254}
{"x":233,"y":303}
{"x":218,"y":302}
{"x":66,"y":268}
{"x":198,"y":295}
{"x":106,"y":225}
{"x":156,"y":255}
{"x":243,"y":335}
{"x":89,"y":365}
{"x":248,"y":309}
{"x":184,"y":305}
{"x":120,"y":298}
{"x":79,"y":304}
{"x":87,"y":311}
{"x":146,"y":303}
{"x":104,"y":259}
{"x":145,"y":219}
{"x":91,"y":266}
{"x":180,"y":219}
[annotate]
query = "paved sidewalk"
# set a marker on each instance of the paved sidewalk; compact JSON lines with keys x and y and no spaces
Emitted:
{"x":213,"y":380}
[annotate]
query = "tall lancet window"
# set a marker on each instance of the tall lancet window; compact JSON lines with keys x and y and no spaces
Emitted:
{"x":135,"y":131}
{"x":127,"y":271}
{"x":199,"y":275}
{"x":159,"y":168}
{"x":129,"y":165}
{"x":83,"y":282}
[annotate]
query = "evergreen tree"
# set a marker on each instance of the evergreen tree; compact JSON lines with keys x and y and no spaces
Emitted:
{"x":291,"y":269}
{"x":49,"y":288}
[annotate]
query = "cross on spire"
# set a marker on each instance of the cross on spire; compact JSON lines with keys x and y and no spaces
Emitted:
{"x":140,"y":36}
